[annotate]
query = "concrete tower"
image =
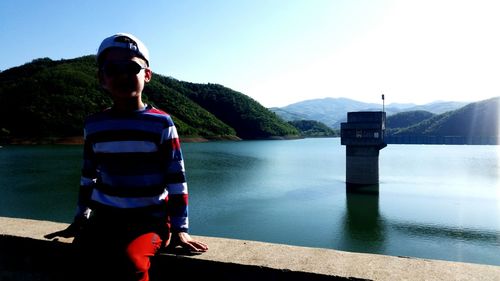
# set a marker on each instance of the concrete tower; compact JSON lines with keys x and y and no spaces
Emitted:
{"x":363,"y":136}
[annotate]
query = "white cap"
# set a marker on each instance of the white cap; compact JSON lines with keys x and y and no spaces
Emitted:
{"x":125,"y":41}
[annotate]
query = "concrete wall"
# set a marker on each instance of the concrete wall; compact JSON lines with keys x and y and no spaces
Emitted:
{"x":362,"y":165}
{"x":26,"y":255}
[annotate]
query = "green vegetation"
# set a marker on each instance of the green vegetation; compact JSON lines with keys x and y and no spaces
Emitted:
{"x":46,"y":98}
{"x":312,"y":128}
{"x":249,"y":119}
{"x":407,"y":118}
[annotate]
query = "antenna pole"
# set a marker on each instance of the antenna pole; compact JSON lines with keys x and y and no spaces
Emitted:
{"x":383,"y":103}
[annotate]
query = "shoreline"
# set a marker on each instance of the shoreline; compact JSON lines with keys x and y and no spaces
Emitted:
{"x":78,"y":140}
{"x":75,"y":140}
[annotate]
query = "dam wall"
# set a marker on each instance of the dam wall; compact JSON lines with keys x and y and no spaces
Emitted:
{"x":26,"y":255}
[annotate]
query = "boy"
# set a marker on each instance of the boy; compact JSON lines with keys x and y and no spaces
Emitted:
{"x":133,"y":196}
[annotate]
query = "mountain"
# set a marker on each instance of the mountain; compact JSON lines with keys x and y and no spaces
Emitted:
{"x":406,"y":119}
{"x":475,"y":123}
{"x":249,"y":118}
{"x":46,"y":98}
{"x":443,"y":122}
{"x":311,"y":128}
{"x":437,"y":107}
{"x":50,"y":99}
{"x":333,"y":111}
{"x":330,"y":111}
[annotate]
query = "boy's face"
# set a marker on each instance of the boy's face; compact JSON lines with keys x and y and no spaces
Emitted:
{"x":123,"y":75}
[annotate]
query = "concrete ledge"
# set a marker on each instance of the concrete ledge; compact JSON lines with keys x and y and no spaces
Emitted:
{"x":26,"y":255}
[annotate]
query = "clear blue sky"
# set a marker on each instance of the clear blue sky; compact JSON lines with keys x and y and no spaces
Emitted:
{"x":282,"y":51}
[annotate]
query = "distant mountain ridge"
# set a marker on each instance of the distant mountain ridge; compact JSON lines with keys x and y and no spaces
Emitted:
{"x":442,"y":122}
{"x":333,"y":111}
{"x":474,"y":123}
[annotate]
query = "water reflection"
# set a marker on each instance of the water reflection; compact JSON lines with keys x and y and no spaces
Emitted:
{"x":362,"y":188}
{"x":367,"y":229}
{"x":364,"y":228}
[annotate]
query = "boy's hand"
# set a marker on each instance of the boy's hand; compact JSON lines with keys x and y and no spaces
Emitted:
{"x":71,"y":231}
{"x":184,"y":240}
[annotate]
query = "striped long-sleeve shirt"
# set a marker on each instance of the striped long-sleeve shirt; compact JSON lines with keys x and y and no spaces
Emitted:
{"x":134,"y":161}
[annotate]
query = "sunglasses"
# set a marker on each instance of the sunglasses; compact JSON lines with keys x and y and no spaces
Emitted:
{"x":121,"y":67}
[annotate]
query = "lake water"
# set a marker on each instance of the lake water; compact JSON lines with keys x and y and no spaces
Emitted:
{"x":434,"y":201}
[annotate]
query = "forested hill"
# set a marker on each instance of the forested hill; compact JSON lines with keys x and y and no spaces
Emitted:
{"x":475,"y":123}
{"x":249,"y":118}
{"x":47,"y":98}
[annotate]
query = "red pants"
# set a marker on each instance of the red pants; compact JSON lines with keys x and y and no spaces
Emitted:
{"x":139,"y":252}
{"x":114,"y":250}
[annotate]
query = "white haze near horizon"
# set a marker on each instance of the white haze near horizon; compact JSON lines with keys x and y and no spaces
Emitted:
{"x":418,"y":52}
{"x":379,"y":103}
